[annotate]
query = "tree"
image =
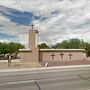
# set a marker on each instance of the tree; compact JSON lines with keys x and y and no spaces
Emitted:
{"x":10,"y":48}
{"x":74,"y":43}
{"x":87,"y":47}
{"x":14,"y":48}
{"x":4,"y":48}
{"x":58,"y":45}
{"x":43,"y":46}
{"x":63,"y":45}
{"x":69,"y":44}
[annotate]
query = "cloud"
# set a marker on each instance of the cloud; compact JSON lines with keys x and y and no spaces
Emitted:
{"x":56,"y":20}
{"x":16,"y":16}
{"x":13,"y":32}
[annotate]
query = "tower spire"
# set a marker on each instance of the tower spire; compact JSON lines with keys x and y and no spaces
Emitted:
{"x":32,"y":25}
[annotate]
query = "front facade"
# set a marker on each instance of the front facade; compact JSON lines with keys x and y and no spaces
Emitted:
{"x":33,"y":54}
{"x":61,"y":54}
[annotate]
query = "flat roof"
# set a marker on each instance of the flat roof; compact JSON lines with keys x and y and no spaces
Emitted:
{"x":24,"y":50}
{"x":62,"y":50}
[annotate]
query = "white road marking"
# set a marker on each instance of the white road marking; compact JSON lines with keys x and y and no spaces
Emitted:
{"x":30,"y":81}
{"x":19,"y":82}
{"x":33,"y":81}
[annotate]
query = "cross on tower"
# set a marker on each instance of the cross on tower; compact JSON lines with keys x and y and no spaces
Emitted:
{"x":70,"y":55}
{"x":61,"y":55}
{"x":32,"y":25}
{"x":52,"y":56}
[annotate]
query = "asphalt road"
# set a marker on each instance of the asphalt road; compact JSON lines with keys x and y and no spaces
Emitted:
{"x":52,"y":79}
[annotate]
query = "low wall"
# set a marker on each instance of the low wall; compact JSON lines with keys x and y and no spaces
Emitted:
{"x":29,"y":55}
{"x":57,"y":55}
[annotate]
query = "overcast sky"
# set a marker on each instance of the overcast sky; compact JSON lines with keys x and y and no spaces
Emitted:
{"x":56,"y":20}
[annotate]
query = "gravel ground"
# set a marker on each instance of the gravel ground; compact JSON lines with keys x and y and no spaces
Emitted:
{"x":17,"y":64}
{"x":66,"y":63}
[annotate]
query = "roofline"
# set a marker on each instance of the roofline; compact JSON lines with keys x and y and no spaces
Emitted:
{"x":24,"y":50}
{"x":62,"y":50}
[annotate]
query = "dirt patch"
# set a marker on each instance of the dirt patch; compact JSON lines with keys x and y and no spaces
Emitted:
{"x":66,"y":63}
{"x":13,"y":65}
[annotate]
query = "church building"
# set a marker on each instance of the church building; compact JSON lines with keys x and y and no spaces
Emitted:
{"x":34,"y":54}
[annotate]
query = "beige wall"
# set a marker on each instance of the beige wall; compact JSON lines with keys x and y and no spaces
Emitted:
{"x":32,"y":39}
{"x":36,"y":55}
{"x":29,"y":56}
{"x":46,"y":56}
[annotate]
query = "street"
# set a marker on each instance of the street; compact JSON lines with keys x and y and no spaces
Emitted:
{"x":46,"y":79}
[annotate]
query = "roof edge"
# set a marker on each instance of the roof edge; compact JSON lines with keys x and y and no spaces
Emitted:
{"x":61,"y":49}
{"x":22,"y":50}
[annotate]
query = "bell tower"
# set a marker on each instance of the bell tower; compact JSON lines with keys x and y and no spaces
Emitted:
{"x":33,"y":37}
{"x":31,"y":54}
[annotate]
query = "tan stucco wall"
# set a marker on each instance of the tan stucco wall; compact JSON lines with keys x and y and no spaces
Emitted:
{"x":46,"y":56}
{"x":32,"y":39}
{"x":36,"y":55}
{"x":29,"y":56}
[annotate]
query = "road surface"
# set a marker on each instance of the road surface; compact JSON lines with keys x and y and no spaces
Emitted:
{"x":46,"y":79}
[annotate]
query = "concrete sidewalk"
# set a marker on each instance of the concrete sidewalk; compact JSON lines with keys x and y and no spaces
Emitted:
{"x":66,"y":63}
{"x":13,"y":60}
{"x":16,"y":65}
{"x":45,"y":68}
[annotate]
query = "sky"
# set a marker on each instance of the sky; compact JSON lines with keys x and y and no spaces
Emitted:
{"x":56,"y":20}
